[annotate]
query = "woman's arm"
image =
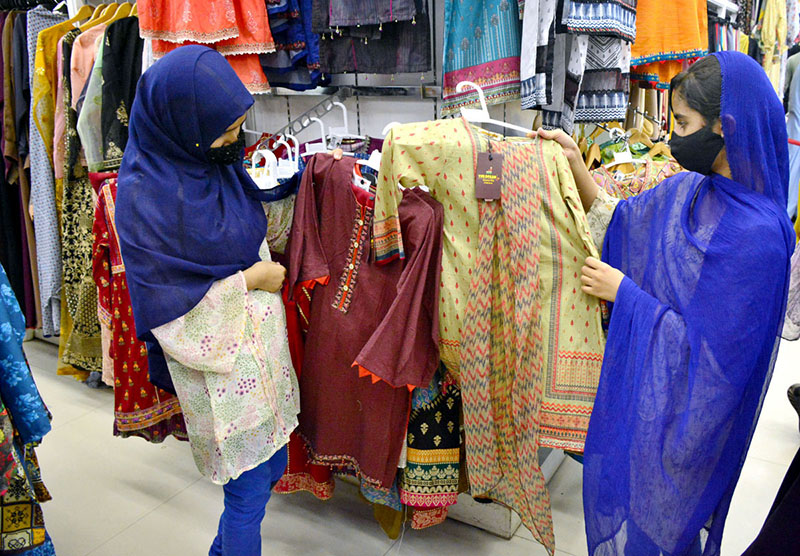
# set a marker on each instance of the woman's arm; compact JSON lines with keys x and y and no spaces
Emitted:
{"x":265,"y":275}
{"x":587,"y":188}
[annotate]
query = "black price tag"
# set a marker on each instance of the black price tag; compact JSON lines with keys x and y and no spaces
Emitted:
{"x":489,"y":176}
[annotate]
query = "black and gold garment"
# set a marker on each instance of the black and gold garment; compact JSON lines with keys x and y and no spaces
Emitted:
{"x":122,"y":68}
{"x":83,"y":347}
{"x":429,"y":482}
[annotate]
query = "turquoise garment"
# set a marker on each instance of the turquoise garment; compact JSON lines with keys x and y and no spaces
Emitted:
{"x":17,"y":388}
{"x":482,"y":44}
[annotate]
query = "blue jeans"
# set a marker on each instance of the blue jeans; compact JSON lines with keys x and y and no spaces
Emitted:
{"x":246,"y":498}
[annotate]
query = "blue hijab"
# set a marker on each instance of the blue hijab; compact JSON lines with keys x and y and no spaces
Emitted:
{"x":183,"y":222}
{"x":693,"y":336}
{"x":17,"y":389}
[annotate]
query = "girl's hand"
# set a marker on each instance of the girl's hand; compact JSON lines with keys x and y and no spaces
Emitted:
{"x":337,"y":154}
{"x":569,"y":145}
{"x":600,"y":280}
{"x":265,"y":275}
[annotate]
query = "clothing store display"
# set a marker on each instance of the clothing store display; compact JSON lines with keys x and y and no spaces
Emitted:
{"x":295,"y":64}
{"x":645,"y":176}
{"x":772,"y":43}
{"x":481,"y":45}
{"x":662,"y":304}
{"x":367,"y":347}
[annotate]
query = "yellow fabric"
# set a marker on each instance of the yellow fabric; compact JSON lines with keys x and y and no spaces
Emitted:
{"x":773,"y":39}
{"x":744,"y":43}
{"x":44,"y":82}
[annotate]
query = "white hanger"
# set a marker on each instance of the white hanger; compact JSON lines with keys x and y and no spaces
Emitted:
{"x":265,"y":177}
{"x":291,"y":139}
{"x":341,"y":132}
{"x":623,"y":157}
{"x":374,"y":161}
{"x":481,"y":115}
{"x":321,"y":147}
{"x":389,"y":126}
{"x":58,"y":6}
{"x":286,"y":168}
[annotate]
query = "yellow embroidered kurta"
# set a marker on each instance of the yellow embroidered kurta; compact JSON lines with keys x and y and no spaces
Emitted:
{"x":773,"y":40}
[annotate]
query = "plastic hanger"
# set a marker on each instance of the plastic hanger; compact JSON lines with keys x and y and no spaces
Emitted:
{"x":593,"y":155}
{"x":624,"y":157}
{"x":124,"y":10}
{"x":286,"y":167}
{"x":388,"y":127}
{"x":341,"y":133}
{"x":481,"y":115}
{"x":266,"y":176}
{"x":660,"y":149}
{"x":105,"y":17}
{"x":135,"y":10}
{"x":315,"y":148}
{"x":97,"y":11}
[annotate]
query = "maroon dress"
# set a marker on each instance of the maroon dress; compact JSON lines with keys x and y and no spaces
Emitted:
{"x":373,"y":329}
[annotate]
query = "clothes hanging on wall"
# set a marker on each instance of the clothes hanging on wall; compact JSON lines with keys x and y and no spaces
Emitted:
{"x":482,"y":44}
{"x":238,"y":30}
{"x":295,"y":64}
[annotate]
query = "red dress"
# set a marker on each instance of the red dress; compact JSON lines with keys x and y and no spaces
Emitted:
{"x":140,"y":409}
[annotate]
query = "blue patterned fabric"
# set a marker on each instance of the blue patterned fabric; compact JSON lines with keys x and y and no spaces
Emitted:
{"x":693,"y":336}
{"x":17,"y":388}
{"x":43,"y":194}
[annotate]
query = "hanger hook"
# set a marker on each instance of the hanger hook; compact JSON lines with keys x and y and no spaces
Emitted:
{"x":481,"y":96}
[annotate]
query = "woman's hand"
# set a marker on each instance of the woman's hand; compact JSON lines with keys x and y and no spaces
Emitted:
{"x":587,"y":188}
{"x":337,"y":154}
{"x":600,"y":280}
{"x":571,"y":149}
{"x":265,"y":275}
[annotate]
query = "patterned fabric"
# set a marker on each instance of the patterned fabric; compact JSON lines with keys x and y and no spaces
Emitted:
{"x":436,"y":155}
{"x":538,"y":41}
{"x":791,"y":324}
{"x":569,"y":55}
{"x":606,"y":82}
{"x":140,"y":409}
{"x":230,"y":364}
{"x":501,"y":389}
{"x":48,"y":247}
{"x":350,"y":13}
{"x":773,"y":41}
{"x":430,"y":477}
{"x":90,"y":129}
{"x":82,"y":347}
{"x":482,"y":45}
{"x":600,"y":214}
{"x":615,"y":18}
{"x":645,"y":176}
{"x":22,"y":523}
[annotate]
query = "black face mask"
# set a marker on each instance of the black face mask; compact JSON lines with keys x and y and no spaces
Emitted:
{"x":697,"y":151}
{"x":229,"y":154}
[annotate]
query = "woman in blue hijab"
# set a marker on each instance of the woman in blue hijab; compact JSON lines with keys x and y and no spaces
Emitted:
{"x":192,"y":233}
{"x":696,"y":273}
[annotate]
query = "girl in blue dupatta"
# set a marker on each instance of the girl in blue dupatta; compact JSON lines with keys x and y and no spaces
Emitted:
{"x":192,"y":233}
{"x":697,"y":272}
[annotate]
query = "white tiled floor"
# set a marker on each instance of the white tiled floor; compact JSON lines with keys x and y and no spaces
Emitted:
{"x":115,"y":497}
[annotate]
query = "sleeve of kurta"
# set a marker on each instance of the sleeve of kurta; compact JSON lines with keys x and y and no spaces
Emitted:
{"x":209,"y":337}
{"x":412,"y":156}
{"x":308,"y":264}
{"x":279,"y":223}
{"x":404,"y":349}
{"x":791,"y":325}
{"x":599,"y":216}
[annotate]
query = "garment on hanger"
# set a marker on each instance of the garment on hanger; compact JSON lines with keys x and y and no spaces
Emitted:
{"x":645,"y":176}
{"x":402,"y":47}
{"x":358,"y":363}
{"x":569,"y":59}
{"x":90,"y":128}
{"x":9,"y":139}
{"x":121,"y":71}
{"x":41,"y":59}
{"x":296,"y":62}
{"x":773,"y":45}
{"x":482,"y":45}
{"x":667,"y":33}
{"x":605,"y":87}
{"x":22,"y":90}
{"x":351,"y":13}
{"x":82,"y":347}
{"x":538,"y":42}
{"x":428,"y":483}
{"x":140,"y":409}
{"x":441,"y":155}
{"x":615,"y":18}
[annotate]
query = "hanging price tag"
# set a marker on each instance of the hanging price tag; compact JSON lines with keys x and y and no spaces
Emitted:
{"x":489,"y":176}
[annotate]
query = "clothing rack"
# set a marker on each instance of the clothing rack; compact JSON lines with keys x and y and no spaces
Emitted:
{"x":25,"y":4}
{"x":724,"y":7}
